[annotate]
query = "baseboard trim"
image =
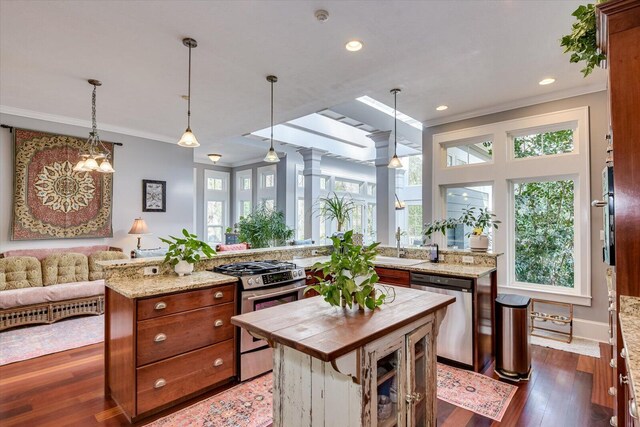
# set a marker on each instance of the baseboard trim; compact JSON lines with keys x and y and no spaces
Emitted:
{"x":588,"y":329}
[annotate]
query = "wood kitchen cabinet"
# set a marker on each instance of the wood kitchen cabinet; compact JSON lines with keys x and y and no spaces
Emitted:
{"x":393,"y":276}
{"x":167,"y":348}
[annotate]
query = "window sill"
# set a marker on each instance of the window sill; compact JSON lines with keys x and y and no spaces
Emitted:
{"x":548,"y":295}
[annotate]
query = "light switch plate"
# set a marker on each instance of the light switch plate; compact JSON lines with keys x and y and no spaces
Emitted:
{"x":467,"y":260}
{"x":151,"y":271}
{"x":602,"y":235}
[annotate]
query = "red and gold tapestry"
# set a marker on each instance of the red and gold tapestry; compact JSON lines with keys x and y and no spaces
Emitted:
{"x":50,"y":199}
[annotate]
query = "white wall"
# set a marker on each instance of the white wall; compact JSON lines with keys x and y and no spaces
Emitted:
{"x":136,"y":160}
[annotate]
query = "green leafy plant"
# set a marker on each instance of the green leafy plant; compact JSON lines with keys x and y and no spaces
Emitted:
{"x":440,"y":225}
{"x":581,"y":43}
{"x":349,"y":276}
{"x":479,"y":219}
{"x":263,"y":228}
{"x":338,"y":208}
{"x":186,"y":248}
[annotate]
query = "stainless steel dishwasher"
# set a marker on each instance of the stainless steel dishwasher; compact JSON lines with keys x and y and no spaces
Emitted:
{"x":455,"y":339}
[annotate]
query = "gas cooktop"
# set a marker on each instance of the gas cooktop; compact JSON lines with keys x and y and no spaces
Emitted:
{"x":254,"y":267}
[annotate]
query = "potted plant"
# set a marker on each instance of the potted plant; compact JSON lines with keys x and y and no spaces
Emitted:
{"x":582,"y":42}
{"x":441,"y":225}
{"x":479,"y":219}
{"x":349,"y":277}
{"x":184,"y":251}
{"x":263,"y":228}
{"x":338,"y":208}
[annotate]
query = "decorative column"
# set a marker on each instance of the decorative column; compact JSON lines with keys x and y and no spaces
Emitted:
{"x":385,"y":188}
{"x":312,"y":174}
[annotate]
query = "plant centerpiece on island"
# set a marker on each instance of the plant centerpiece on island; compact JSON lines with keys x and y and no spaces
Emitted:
{"x":349,"y":277}
{"x":338,"y":208}
{"x":185,"y":251}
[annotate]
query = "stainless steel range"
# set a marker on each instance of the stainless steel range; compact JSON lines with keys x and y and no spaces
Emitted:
{"x":263,"y":284}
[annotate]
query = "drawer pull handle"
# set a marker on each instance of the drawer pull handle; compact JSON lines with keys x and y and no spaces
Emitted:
{"x":160,"y":338}
{"x":218,"y":362}
{"x":160,"y":383}
{"x":633,"y":409}
{"x":613,"y":363}
{"x":218,"y":295}
{"x":218,"y":323}
{"x":612,"y":391}
{"x":161,"y":305}
{"x":623,"y":353}
{"x":623,"y":379}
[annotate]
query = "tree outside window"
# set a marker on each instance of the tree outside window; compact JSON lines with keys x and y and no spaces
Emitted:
{"x":415,"y":170}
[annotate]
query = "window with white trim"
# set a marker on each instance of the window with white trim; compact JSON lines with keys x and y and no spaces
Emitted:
{"x":300,"y":219}
{"x":216,"y":205}
{"x":537,"y":182}
{"x":243,"y":194}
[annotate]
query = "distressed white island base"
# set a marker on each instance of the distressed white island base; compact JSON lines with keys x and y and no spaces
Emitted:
{"x":332,"y":365}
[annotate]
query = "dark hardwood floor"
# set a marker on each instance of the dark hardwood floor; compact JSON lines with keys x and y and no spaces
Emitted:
{"x":66,"y":389}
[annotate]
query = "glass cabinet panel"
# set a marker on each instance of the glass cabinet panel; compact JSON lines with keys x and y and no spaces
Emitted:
{"x":389,"y":370}
{"x":419,"y":377}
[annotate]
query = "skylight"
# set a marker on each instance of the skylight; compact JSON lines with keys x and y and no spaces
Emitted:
{"x":389,"y":111}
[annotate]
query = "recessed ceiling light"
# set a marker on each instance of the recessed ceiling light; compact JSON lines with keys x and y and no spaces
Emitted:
{"x":353,"y":45}
{"x":546,"y":81}
{"x":441,"y":107}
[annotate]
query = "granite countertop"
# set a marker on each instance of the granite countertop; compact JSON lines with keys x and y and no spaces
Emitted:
{"x":417,"y":265}
{"x":630,"y":329}
{"x":164,"y":284}
{"x":315,"y":328}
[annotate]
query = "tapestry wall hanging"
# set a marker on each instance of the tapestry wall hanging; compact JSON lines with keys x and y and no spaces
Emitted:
{"x":50,"y":199}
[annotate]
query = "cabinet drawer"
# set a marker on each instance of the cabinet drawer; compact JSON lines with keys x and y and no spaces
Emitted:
{"x":172,"y":379}
{"x":178,"y":333}
{"x":393,"y":277}
{"x":169,"y":304}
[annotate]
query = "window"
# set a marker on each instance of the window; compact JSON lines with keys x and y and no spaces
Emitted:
{"x":538,"y":185}
{"x":246,"y":183}
{"x":415,"y":170}
{"x":371,"y":189}
{"x":323,"y":183}
{"x":269,"y":204}
{"x":544,"y":226}
{"x":214,"y":184}
{"x":215,"y":222}
{"x":543,"y":144}
{"x":370,"y":232}
{"x":469,"y":154}
{"x":245,"y":208}
{"x":300,"y":220}
{"x":300,"y":177}
{"x":414,"y":224}
{"x":356,"y":219}
{"x":268,"y":180}
{"x":323,"y":224}
{"x":347,"y":186}
{"x":460,"y":198}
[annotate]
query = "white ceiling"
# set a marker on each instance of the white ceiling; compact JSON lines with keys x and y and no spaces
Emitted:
{"x":475,"y":56}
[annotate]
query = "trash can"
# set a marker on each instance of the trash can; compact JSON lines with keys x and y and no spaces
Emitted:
{"x":513,"y":339}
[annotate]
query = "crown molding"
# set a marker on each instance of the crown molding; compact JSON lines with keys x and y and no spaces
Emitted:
{"x":520,"y":103}
{"x":5,"y":109}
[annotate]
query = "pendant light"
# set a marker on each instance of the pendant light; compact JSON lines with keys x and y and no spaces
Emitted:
{"x":97,"y":150}
{"x":188,"y":138}
{"x":214,"y":157}
{"x":400,"y":205}
{"x":395,"y":162}
{"x":272,"y":156}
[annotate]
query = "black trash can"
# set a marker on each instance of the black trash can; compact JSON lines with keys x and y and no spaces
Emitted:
{"x":513,"y":337}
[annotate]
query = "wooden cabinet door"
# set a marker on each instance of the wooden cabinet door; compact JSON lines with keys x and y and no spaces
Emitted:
{"x":386,"y":397}
{"x":421,"y":377}
{"x":392,"y":276}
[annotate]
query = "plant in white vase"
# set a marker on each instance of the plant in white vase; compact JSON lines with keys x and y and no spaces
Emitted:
{"x":480,"y":220}
{"x":185,"y":251}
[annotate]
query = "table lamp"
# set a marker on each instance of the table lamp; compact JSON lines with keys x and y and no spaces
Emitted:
{"x":139,"y":228}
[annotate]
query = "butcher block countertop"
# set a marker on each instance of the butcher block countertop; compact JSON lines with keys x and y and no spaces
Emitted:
{"x":315,"y":328}
{"x":165,"y":284}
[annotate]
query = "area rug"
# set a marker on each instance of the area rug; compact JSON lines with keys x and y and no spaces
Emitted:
{"x":577,"y":345}
{"x":35,"y":341}
{"x":246,"y":405}
{"x":475,"y":392}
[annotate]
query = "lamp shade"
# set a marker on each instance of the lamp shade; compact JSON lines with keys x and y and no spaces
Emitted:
{"x":139,"y":227}
{"x":214,"y":157}
{"x":395,"y":162}
{"x":272,"y":156}
{"x":90,"y":164}
{"x":188,"y":140}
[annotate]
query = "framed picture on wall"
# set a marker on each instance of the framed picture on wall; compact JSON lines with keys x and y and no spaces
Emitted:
{"x":154,"y":196}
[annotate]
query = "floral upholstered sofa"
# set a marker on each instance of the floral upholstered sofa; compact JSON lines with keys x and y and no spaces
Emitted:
{"x":46,"y":285}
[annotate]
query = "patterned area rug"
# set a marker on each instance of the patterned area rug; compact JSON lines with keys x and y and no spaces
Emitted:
{"x":250,"y":404}
{"x":35,"y":341}
{"x":475,"y":392}
{"x":246,"y":405}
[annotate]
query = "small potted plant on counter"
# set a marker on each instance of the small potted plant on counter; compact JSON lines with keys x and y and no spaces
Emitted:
{"x":349,"y":277}
{"x":479,"y":219}
{"x":185,"y":251}
{"x":339,"y":208}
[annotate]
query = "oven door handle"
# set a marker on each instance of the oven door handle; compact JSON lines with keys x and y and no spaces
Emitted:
{"x":275,"y":294}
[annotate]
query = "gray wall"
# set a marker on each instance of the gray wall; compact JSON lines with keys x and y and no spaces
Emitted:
{"x":597,"y":103}
{"x":138,"y":159}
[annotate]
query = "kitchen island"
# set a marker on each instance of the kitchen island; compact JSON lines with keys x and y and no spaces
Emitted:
{"x":340,"y":366}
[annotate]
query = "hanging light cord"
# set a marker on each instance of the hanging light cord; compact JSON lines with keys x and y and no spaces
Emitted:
{"x":395,"y":123}
{"x":272,"y":114}
{"x":94,"y":125}
{"x":94,"y":138}
{"x":189,"y":94}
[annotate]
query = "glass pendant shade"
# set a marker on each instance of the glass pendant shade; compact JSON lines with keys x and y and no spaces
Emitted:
{"x":90,"y":164}
{"x":272,"y":156}
{"x":105,"y":166}
{"x":214,"y":157}
{"x":79,"y":167}
{"x":188,"y":140}
{"x":395,"y":162}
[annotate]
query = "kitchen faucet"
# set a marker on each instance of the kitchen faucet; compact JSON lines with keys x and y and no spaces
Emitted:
{"x":401,"y":252}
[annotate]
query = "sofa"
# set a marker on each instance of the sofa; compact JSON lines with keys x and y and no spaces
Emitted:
{"x":46,"y":285}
